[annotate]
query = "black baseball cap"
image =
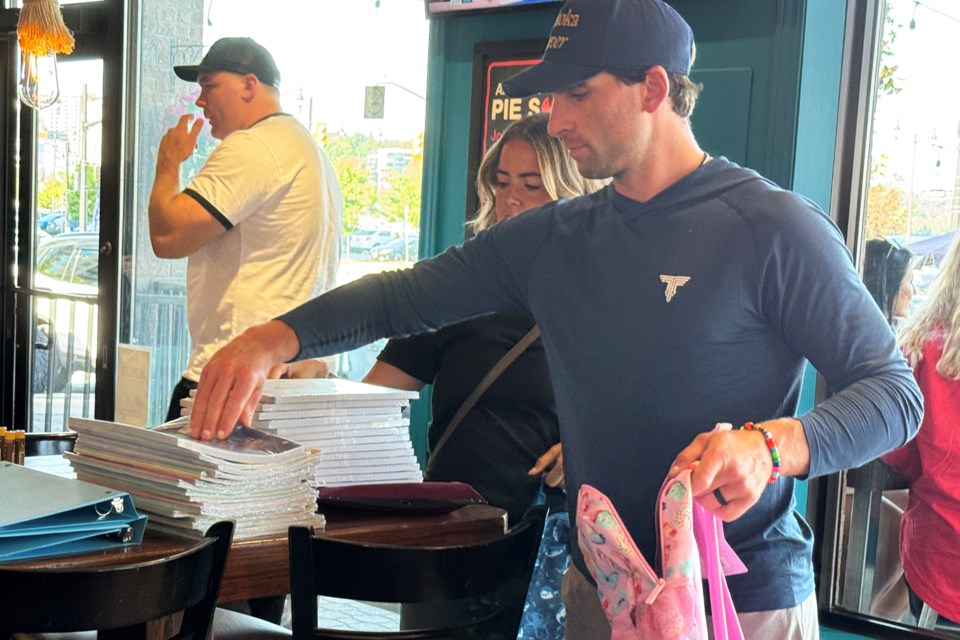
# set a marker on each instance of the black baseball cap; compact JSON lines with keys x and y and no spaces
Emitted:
{"x":237,"y":55}
{"x":592,"y":36}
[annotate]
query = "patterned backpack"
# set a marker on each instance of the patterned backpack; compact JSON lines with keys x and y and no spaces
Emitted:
{"x":637,"y":601}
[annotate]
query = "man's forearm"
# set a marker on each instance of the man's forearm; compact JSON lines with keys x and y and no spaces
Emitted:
{"x":863,"y":421}
{"x":166,"y":187}
{"x":176,"y":146}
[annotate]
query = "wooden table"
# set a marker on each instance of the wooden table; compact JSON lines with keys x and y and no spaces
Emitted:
{"x":259,"y":567}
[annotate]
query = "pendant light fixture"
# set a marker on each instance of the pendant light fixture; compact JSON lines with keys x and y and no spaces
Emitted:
{"x":42,"y":35}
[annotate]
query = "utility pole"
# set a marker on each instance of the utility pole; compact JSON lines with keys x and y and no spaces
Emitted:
{"x":82,"y":205}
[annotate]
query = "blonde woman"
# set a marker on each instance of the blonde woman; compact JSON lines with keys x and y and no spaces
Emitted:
{"x":514,"y":422}
{"x":930,"y":340}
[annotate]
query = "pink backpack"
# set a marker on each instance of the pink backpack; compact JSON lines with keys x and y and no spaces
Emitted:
{"x":638,"y":602}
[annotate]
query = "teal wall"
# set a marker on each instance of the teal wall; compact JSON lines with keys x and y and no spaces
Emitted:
{"x":826,"y":633}
{"x":748,"y":59}
{"x":770,"y":70}
{"x":816,"y":127}
{"x":818,"y":100}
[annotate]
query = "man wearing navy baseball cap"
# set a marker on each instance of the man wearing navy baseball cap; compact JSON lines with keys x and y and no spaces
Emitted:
{"x":618,"y":70}
{"x":687,"y":293}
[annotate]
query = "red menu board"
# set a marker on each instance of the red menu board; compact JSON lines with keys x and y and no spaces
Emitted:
{"x":499,"y":108}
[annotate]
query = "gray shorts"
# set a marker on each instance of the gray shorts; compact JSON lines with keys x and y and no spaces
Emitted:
{"x":586,"y":620}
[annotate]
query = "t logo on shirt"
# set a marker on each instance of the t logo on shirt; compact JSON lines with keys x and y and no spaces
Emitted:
{"x":673,"y":283}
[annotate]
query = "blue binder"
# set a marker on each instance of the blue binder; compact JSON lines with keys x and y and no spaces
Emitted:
{"x":45,"y":515}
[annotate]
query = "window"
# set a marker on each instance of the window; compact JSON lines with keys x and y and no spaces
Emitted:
{"x":329,"y":54}
{"x":903,"y":218}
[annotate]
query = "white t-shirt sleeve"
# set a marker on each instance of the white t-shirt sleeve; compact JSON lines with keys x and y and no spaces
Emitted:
{"x":239,"y":176}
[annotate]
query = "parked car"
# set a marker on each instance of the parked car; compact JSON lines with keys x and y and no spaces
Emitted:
{"x":65,"y":264}
{"x":69,"y":264}
{"x":363,"y":240}
{"x":55,"y":222}
{"x":398,"y":249}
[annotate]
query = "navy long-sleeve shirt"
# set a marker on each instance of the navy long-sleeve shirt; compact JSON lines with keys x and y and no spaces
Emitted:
{"x":660,"y":319}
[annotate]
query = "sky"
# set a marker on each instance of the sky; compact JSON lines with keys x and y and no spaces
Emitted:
{"x":928,"y":105}
{"x":332,"y":49}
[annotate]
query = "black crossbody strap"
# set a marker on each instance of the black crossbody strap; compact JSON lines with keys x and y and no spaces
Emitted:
{"x":484,"y":384}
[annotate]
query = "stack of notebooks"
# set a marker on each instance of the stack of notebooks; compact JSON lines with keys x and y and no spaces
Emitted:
{"x":262,"y":482}
{"x":358,"y":429}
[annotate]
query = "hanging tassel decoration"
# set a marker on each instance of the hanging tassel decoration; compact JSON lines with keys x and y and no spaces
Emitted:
{"x":41,"y":30}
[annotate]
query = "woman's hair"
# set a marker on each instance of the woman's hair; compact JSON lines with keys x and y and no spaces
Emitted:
{"x":884,"y":267}
{"x":940,"y":308}
{"x":558,"y":171}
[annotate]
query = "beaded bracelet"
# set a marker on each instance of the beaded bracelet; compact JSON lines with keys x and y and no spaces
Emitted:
{"x":771,"y":445}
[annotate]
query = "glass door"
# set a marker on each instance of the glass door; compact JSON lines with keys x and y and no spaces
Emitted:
{"x":66,"y":248}
{"x":61,"y":200}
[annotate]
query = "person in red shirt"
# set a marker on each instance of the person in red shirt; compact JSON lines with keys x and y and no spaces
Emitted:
{"x":929,"y":538}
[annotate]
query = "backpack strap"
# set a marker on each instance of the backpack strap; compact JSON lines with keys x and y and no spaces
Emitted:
{"x":717,"y":560}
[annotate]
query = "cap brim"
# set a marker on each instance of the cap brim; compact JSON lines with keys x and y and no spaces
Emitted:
{"x":188,"y":73}
{"x":546,"y":77}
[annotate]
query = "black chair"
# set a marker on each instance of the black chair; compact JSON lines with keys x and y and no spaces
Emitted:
{"x":52,"y":443}
{"x":118,"y":601}
{"x":495,"y":574}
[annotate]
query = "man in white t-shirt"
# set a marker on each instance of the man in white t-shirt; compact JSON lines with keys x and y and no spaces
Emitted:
{"x":260,"y":224}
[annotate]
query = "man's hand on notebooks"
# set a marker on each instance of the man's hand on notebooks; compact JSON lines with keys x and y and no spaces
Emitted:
{"x":231,"y":382}
{"x":737,"y":464}
{"x":550,"y":463}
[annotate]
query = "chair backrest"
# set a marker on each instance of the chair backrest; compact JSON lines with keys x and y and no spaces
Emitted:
{"x":53,"y":443}
{"x":496,"y":572}
{"x":119,"y":597}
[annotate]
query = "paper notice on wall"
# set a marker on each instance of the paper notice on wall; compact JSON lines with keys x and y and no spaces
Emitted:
{"x":133,"y":385}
